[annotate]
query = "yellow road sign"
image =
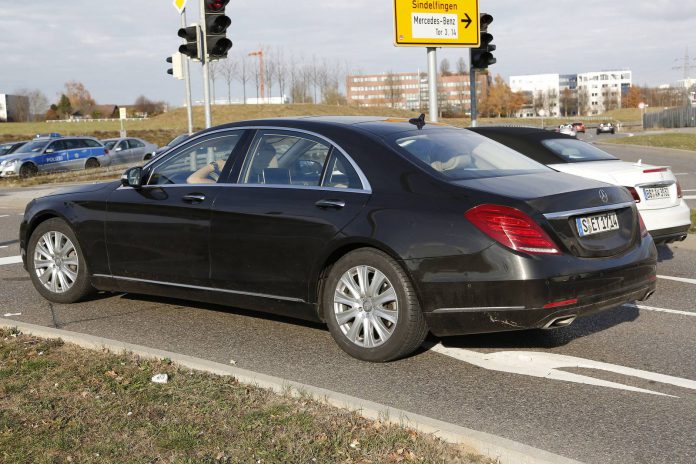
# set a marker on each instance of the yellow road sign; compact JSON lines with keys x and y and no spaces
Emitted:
{"x":180,"y":5}
{"x":436,"y":23}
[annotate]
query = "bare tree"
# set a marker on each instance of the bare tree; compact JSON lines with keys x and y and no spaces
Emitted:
{"x":461,"y":66}
{"x":214,"y":69}
{"x":392,"y":90}
{"x":243,"y":75}
{"x":445,"y":68}
{"x":281,"y":72}
{"x":38,"y":103}
{"x":269,"y":71}
{"x":228,"y":71}
{"x":583,"y":101}
{"x":80,"y":98}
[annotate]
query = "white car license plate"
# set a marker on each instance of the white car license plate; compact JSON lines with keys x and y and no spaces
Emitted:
{"x":656,"y":193}
{"x":589,"y":225}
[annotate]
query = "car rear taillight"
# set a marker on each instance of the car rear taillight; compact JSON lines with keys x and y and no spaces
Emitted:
{"x":512,"y":228}
{"x":106,"y":151}
{"x":643,"y":229}
{"x":557,"y":304}
{"x":634,"y":194}
{"x":680,"y":194}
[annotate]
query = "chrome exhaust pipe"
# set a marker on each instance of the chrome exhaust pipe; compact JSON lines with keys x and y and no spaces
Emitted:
{"x":558,"y":322}
{"x":647,"y":295}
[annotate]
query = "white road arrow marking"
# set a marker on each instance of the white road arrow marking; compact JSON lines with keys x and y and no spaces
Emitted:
{"x":547,"y":365}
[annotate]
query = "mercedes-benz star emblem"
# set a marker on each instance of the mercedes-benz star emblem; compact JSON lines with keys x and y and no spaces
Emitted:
{"x":603,"y":195}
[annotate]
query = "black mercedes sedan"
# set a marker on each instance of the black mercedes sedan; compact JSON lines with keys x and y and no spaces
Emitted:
{"x":384,"y":229}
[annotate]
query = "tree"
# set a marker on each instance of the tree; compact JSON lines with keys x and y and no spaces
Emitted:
{"x":583,"y":101}
{"x":462,"y":69}
{"x":633,"y":98}
{"x":228,"y":70}
{"x":38,"y":103}
{"x":146,"y":106}
{"x":568,"y":101}
{"x":80,"y":98}
{"x":243,"y":75}
{"x":64,"y":109}
{"x":445,"y":69}
{"x":392,"y":90}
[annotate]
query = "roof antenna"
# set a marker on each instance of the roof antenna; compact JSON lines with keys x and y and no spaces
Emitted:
{"x":419,"y":122}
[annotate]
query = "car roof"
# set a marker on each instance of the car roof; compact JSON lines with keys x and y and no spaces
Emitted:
{"x":381,"y":126}
{"x":529,"y":133}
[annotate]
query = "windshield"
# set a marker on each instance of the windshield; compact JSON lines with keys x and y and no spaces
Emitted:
{"x":462,"y":154}
{"x":109,"y":144}
{"x":576,"y":151}
{"x":33,"y":147}
{"x":5,"y":149}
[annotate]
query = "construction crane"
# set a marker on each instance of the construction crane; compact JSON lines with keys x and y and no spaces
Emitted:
{"x":262,"y":72}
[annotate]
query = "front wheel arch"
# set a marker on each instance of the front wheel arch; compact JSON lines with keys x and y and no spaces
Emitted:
{"x":28,"y":165}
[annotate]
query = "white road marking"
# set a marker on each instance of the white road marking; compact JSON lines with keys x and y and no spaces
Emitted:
{"x":4,"y":215}
{"x":5,"y":246}
{"x":692,"y":190}
{"x":678,"y":279}
{"x":661,"y":310}
{"x":547,"y":365}
{"x":682,"y":173}
{"x":10,"y":260}
{"x":689,"y":197}
{"x":11,"y":314}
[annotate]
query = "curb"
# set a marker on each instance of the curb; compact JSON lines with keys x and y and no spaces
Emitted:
{"x":501,"y":449}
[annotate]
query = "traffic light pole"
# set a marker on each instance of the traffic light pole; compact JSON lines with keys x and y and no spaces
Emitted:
{"x":432,"y":84}
{"x":187,"y":81}
{"x":206,"y":70}
{"x":472,"y":93}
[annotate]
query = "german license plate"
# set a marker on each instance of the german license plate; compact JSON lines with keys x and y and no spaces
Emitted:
{"x":590,"y":225}
{"x":656,"y":193}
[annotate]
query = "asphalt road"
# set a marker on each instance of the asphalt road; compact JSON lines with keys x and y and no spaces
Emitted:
{"x":517,"y":385}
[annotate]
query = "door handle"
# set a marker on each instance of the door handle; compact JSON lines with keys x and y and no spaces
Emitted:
{"x":335,"y":204}
{"x":194,"y":198}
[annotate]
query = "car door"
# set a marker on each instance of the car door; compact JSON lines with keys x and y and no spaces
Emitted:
{"x":76,"y":153}
{"x":137,"y":151}
{"x":289,"y":198}
{"x":121,"y":152}
{"x":161,"y":232}
{"x":53,"y":157}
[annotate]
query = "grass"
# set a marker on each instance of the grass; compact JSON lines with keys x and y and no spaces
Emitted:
{"x":61,"y":403}
{"x":668,"y":140}
{"x":692,"y":229}
{"x":91,"y":175}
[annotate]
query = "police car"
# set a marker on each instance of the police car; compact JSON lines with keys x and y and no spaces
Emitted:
{"x":51,"y":153}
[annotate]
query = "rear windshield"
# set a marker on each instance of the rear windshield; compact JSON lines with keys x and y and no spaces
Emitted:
{"x":462,"y":154}
{"x":33,"y":147}
{"x":576,"y":151}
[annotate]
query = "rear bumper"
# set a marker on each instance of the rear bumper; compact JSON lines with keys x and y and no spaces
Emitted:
{"x":459,"y":296}
{"x":667,"y":223}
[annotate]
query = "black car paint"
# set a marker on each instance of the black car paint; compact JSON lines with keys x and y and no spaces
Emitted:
{"x":254,"y":238}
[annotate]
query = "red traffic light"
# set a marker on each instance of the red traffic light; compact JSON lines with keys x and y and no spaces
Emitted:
{"x":213,"y":6}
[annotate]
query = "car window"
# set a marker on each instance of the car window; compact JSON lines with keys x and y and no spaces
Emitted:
{"x":341,"y":174}
{"x":110,"y":144}
{"x":283,"y":158}
{"x":33,"y":147}
{"x":132,"y":143}
{"x":4,"y":149}
{"x":74,"y":144}
{"x":462,"y":154}
{"x":58,"y":145}
{"x":92,"y":143}
{"x":574,"y":151}
{"x":122,"y":145}
{"x":209,"y":154}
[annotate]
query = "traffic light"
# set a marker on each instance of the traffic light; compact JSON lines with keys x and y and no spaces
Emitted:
{"x":481,"y":57}
{"x":177,"y":69}
{"x":216,"y":24}
{"x":193,"y":47}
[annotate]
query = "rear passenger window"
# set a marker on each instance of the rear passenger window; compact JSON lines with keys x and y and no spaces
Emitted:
{"x":74,"y":144}
{"x":91,"y":143}
{"x":281,"y":158}
{"x":341,"y":174}
{"x":135,"y":143}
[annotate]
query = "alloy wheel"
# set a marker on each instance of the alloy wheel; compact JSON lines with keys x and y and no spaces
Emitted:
{"x":366,"y":306}
{"x":56,"y":262}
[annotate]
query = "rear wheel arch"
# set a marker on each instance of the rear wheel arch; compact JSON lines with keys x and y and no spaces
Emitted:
{"x":318,"y":278}
{"x":92,"y":163}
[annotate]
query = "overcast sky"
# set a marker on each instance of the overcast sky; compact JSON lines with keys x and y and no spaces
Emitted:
{"x":117,"y":47}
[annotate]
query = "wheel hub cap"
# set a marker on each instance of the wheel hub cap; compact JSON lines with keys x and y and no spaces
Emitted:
{"x":366,"y":306}
{"x":56,"y":262}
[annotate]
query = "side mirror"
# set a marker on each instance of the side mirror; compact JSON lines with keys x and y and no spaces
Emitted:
{"x":133,"y":177}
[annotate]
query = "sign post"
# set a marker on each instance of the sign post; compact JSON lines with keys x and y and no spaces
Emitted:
{"x":180,"y":6}
{"x":432,"y":24}
{"x":123,"y":115}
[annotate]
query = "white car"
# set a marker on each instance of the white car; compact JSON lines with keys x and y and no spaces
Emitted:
{"x":567,"y":129}
{"x":655,"y":189}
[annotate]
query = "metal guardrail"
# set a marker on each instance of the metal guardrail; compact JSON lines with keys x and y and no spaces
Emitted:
{"x":672,"y":118}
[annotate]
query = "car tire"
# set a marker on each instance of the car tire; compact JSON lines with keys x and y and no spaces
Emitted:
{"x":62,"y":276}
{"x":28,"y":170}
{"x":387,"y":300}
{"x":92,"y":163}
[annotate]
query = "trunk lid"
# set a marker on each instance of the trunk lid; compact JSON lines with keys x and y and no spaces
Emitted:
{"x":557,"y":200}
